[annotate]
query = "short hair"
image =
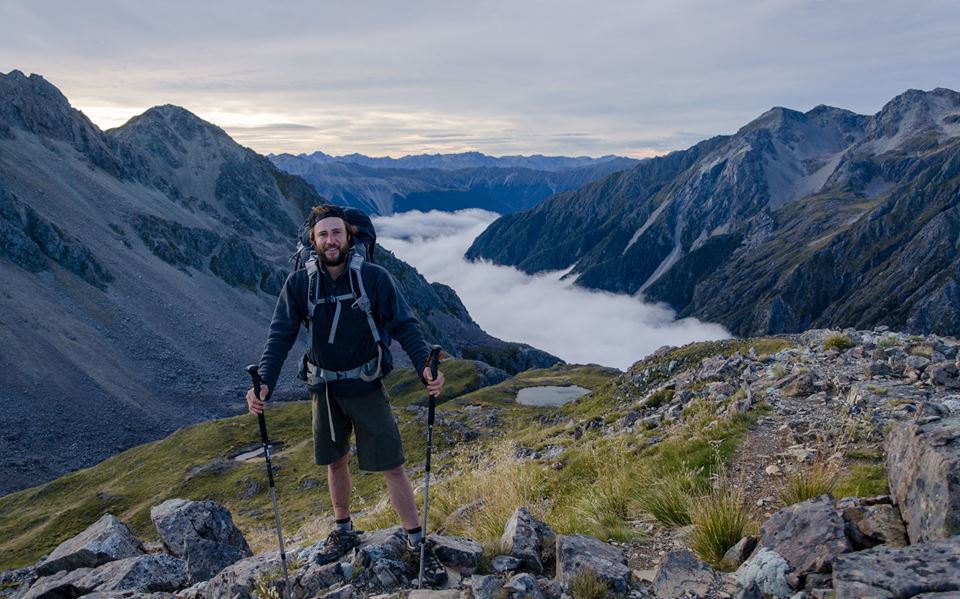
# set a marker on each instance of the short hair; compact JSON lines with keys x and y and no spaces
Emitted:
{"x":318,"y":213}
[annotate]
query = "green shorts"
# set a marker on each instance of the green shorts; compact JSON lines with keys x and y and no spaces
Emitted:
{"x":368,"y":414}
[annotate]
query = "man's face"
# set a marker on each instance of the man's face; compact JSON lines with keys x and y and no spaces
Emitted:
{"x":330,"y":241}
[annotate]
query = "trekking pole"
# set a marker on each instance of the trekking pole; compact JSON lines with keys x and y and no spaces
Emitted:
{"x":257,"y":381}
{"x":433,"y":362}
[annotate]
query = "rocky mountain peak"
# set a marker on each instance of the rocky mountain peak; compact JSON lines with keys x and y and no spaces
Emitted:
{"x":170,"y":122}
{"x":35,"y":105}
{"x":914,"y":112}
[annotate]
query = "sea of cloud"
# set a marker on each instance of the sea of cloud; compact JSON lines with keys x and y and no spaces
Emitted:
{"x":542,"y":310}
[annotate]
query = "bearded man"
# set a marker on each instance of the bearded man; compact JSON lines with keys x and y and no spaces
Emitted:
{"x":344,"y":367}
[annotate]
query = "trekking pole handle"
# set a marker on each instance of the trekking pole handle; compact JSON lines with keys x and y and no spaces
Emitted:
{"x":254,"y":373}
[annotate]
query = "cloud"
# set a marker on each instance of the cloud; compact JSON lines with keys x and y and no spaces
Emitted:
{"x":631,"y":76}
{"x":577,"y":325}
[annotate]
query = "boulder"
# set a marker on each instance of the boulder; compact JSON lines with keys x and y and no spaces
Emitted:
{"x":739,"y":553}
{"x":923,"y":470}
{"x":504,"y":563}
{"x":347,"y":591}
{"x":205,"y":558}
{"x":680,"y":574}
{"x":181,"y":523}
{"x":930,"y":567}
{"x":485,"y":587}
{"x":809,"y":535}
{"x":765,"y":572}
{"x":582,"y":552}
{"x":431,"y":594}
{"x":387,"y":574}
{"x":944,"y":374}
{"x":142,"y":574}
{"x":313,"y":578}
{"x":872,"y":525}
{"x":105,"y":540}
{"x":239,"y":580}
{"x":528,"y":539}
{"x":523,"y":586}
{"x":458,"y":552}
{"x":388,"y":543}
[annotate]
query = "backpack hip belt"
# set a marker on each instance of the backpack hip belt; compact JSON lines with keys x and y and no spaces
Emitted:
{"x":368,"y":371}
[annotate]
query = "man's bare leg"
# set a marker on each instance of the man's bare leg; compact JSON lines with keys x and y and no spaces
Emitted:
{"x":401,"y":496}
{"x":340,"y":484}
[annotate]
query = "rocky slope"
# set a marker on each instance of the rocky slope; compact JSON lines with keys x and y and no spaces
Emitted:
{"x":823,"y":218}
{"x":141,"y":267}
{"x":864,"y":419}
{"x":446,"y":182}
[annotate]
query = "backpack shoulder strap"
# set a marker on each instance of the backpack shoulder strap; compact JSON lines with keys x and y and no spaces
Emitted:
{"x":313,"y":280}
{"x":363,"y":301}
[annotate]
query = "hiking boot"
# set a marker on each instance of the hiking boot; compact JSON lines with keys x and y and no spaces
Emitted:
{"x":434,"y":574}
{"x":338,"y":543}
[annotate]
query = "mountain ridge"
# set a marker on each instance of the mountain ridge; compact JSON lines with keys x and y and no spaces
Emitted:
{"x":689,"y":228}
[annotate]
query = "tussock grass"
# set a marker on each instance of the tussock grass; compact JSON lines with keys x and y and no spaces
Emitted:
{"x":839,"y":342}
{"x":587,"y":585}
{"x":720,"y":518}
{"x":820,"y":478}
{"x":668,"y":497}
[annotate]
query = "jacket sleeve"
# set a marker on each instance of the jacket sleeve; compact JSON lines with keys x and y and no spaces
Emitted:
{"x":398,"y":319}
{"x":283,"y":331}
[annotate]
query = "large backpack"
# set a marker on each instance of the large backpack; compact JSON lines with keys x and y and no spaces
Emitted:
{"x":364,"y":249}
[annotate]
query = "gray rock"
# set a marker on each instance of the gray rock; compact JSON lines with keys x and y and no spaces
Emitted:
{"x":528,"y":539}
{"x":944,"y":374}
{"x":679,"y":574}
{"x":809,"y":535}
{"x":457,"y":552}
{"x":387,"y":574}
{"x":180,"y":520}
{"x":739,"y":553}
{"x":917,"y":363}
{"x":431,"y":594}
{"x":142,"y":574}
{"x":923,"y":470}
{"x":105,"y":540}
{"x":504,"y":563}
{"x":871,"y":525}
{"x":582,"y":552}
{"x":930,"y":567}
{"x":388,"y":543}
{"x":485,"y":587}
{"x":313,"y":578}
{"x":239,"y":580}
{"x":206,"y":558}
{"x":523,"y":586}
{"x":550,"y":588}
{"x":347,"y":591}
{"x":766,"y":571}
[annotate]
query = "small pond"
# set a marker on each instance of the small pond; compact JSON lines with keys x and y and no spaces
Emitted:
{"x":550,"y":396}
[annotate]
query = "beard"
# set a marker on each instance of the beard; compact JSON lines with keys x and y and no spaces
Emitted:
{"x":337,"y":260}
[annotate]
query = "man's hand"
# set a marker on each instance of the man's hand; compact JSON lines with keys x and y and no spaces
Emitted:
{"x":434,"y":387}
{"x":255,"y":404}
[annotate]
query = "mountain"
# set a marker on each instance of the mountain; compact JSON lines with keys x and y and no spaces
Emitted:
{"x":141,"y":268}
{"x":460,"y":161}
{"x":445,"y":181}
{"x":823,"y":218}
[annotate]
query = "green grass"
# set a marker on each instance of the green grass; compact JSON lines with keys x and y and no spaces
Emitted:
{"x":839,"y":342}
{"x":808,"y":482}
{"x":863,"y":480}
{"x":587,"y":585}
{"x":720,"y":518}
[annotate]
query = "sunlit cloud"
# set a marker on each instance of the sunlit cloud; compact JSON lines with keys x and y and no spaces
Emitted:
{"x":575,"y":324}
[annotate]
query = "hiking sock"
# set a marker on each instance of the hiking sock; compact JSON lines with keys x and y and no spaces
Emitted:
{"x":345,"y":524}
{"x":415,"y":535}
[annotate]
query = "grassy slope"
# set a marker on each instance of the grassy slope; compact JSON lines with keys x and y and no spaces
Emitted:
{"x":34,"y":521}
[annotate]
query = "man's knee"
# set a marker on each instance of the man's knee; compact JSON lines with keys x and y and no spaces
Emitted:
{"x":395,"y":473}
{"x":340,"y":463}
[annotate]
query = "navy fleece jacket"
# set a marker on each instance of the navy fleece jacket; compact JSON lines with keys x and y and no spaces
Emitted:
{"x":353,"y":343}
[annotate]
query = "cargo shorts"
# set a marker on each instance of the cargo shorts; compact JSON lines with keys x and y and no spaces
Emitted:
{"x":367,"y":414}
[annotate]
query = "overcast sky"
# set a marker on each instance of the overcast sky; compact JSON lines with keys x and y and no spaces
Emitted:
{"x":503,"y":77}
{"x":577,"y":325}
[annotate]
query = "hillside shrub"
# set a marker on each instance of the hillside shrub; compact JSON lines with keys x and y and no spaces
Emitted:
{"x":839,"y":342}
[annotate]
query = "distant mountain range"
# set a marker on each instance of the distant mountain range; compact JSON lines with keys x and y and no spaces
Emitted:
{"x":445,"y":181}
{"x":799,"y":220}
{"x":141,"y":268}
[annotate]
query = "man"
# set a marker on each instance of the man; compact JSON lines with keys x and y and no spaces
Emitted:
{"x":343,"y":370}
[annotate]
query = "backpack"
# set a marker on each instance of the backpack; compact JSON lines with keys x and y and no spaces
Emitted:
{"x":364,"y":248}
